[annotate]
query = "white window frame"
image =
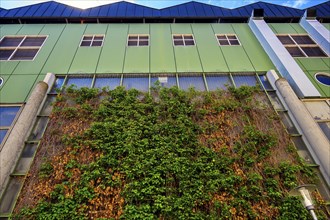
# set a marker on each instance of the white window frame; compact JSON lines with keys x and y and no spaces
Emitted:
{"x":15,"y":48}
{"x":184,"y":43}
{"x":295,"y":44}
{"x":228,"y":40}
{"x":93,"y":39}
{"x":138,"y":40}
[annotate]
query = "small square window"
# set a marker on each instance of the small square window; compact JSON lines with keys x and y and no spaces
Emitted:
{"x":92,"y":41}
{"x":285,"y":40}
{"x":183,"y":40}
{"x":138,"y":40}
{"x":227,"y":39}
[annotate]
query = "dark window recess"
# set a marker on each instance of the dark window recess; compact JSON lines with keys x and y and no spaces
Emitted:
{"x":227,"y":39}
{"x":302,"y":39}
{"x":138,"y":40}
{"x":295,"y":51}
{"x":313,"y":52}
{"x":92,"y":41}
{"x":183,"y":40}
{"x":5,"y":54}
{"x":11,"y":41}
{"x":24,"y":54}
{"x":285,"y":40}
{"x":33,"y":41}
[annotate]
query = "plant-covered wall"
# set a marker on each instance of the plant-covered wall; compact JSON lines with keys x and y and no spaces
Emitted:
{"x":167,"y":154}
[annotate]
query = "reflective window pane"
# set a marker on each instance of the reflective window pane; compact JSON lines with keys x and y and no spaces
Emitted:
{"x":285,"y":40}
{"x":58,"y":84}
{"x":295,"y":51}
{"x":139,"y":83}
{"x":3,"y":133}
{"x":79,"y":82}
{"x":11,"y":41}
{"x":164,"y":81}
{"x":5,"y":54}
{"x":313,"y":52}
{"x":218,"y":82}
{"x":24,"y":54}
{"x":111,"y":82}
{"x":303,"y":39}
{"x":33,"y":41}
{"x":265,"y":82}
{"x":7,"y":115}
{"x":241,"y":80}
{"x":196,"y":82}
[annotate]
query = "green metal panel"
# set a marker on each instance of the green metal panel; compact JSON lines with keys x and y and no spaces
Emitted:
{"x":253,"y":48}
{"x":5,"y":79}
{"x":283,"y":28}
{"x":53,"y":31}
{"x":327,"y":62}
{"x":223,"y":29}
{"x":326,"y":25}
{"x":86,"y":58}
{"x":186,"y":58}
{"x":323,"y":89}
{"x":137,"y":58}
{"x":237,"y":59}
{"x":17,"y":88}
{"x":232,"y":54}
{"x":311,"y":64}
{"x":181,"y":29}
{"x":112,"y":58}
{"x":63,"y":53}
{"x":31,"y":29}
{"x":9,"y":29}
{"x":208,"y":48}
{"x":7,"y":67}
{"x":161,"y":49}
{"x":299,"y":29}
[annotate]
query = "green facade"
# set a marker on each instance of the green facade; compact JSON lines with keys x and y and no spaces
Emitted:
{"x":310,"y":65}
{"x":61,"y":53}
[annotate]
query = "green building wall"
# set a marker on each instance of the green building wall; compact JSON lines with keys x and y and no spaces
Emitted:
{"x":310,"y":65}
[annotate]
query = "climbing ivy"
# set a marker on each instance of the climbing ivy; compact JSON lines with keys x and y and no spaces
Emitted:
{"x":169,"y":154}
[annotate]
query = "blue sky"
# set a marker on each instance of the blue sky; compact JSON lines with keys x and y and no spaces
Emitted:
{"x":164,"y":3}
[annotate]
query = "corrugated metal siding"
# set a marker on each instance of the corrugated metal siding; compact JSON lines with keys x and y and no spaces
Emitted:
{"x":126,"y":9}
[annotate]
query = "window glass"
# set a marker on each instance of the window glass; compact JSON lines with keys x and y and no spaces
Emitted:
{"x":20,"y":48}
{"x":227,"y":39}
{"x":57,"y":84}
{"x":1,"y":81}
{"x":79,"y":82}
{"x":325,"y":126}
{"x":215,"y":82}
{"x":139,"y":83}
{"x":111,"y":82}
{"x":11,"y":41}
{"x":265,"y":82}
{"x":241,"y":80}
{"x":196,"y":82}
{"x":313,"y":51}
{"x":323,"y":78}
{"x":138,"y":40}
{"x":164,"y":81}
{"x":301,"y":46}
{"x":183,"y":40}
{"x":92,"y":41}
{"x":24,"y":54}
{"x":7,"y":115}
{"x":3,"y":133}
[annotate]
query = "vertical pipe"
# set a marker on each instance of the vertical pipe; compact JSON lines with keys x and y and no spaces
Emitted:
{"x":313,"y":133}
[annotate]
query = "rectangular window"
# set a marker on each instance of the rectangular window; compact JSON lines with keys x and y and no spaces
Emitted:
{"x":20,"y":47}
{"x":7,"y":117}
{"x":92,"y":41}
{"x":138,"y":40}
{"x":227,"y":40}
{"x":301,"y":46}
{"x":183,"y":40}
